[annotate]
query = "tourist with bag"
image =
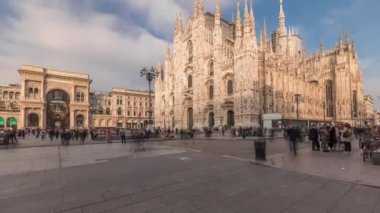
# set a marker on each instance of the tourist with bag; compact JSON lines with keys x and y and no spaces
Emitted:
{"x":347,"y":138}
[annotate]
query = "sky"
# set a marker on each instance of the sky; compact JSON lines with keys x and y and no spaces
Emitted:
{"x":112,"y":40}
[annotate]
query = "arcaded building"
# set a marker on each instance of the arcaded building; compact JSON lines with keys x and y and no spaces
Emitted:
{"x":46,"y":98}
{"x":123,"y":108}
{"x":223,"y":74}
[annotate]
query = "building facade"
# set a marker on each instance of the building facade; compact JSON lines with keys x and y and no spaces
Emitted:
{"x":49,"y":98}
{"x":219,"y":74}
{"x":121,"y":108}
{"x":370,"y":114}
{"x":46,"y":98}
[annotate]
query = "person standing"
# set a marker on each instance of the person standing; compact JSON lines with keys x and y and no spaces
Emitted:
{"x":324,"y":135}
{"x":314,"y":137}
{"x":122,"y":135}
{"x":347,"y":138}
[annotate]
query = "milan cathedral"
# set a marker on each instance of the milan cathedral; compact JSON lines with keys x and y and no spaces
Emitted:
{"x":219,"y":74}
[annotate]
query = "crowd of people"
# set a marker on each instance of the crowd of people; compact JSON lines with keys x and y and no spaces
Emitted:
{"x":328,"y":138}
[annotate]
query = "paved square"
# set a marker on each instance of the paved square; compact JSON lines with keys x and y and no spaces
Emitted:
{"x":114,"y":178}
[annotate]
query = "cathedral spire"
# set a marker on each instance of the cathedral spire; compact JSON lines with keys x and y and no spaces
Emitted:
{"x":347,"y":39}
{"x":246,"y":18}
{"x":252,"y":18}
{"x":198,"y":8}
{"x":340,"y":41}
{"x":178,"y":24}
{"x":264,"y":35}
{"x":321,"y":46}
{"x":238,"y":21}
{"x":218,"y":13}
{"x":167,"y":51}
{"x":238,"y":29}
{"x":281,"y":20}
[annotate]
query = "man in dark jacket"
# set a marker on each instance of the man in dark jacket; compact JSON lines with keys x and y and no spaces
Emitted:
{"x":314,"y":137}
{"x":294,"y":134}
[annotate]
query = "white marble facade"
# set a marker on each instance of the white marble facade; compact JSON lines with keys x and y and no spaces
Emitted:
{"x":220,"y":73}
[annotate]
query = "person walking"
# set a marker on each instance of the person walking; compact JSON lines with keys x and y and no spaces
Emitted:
{"x":347,"y":138}
{"x":293,"y":134}
{"x":109,"y":137}
{"x":314,"y":137}
{"x":43,"y":133}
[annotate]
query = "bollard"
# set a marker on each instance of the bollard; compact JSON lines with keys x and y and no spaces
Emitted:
{"x":260,"y":149}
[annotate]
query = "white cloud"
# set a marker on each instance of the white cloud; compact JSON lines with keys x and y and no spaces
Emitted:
{"x":46,"y":33}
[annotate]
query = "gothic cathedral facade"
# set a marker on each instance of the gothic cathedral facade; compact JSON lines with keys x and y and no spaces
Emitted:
{"x":219,"y":74}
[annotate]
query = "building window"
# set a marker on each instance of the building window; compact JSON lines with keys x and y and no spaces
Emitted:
{"x":11,"y":95}
{"x":35,"y":92}
{"x":30,"y":92}
{"x":129,"y":113}
{"x":190,"y":81}
{"x":211,"y":68}
{"x":211,"y":92}
{"x":355,"y":104}
{"x":119,"y":111}
{"x":17,"y":96}
{"x":79,"y":97}
{"x":134,"y":113}
{"x":329,"y":100}
{"x":230,"y":87}
{"x":108,"y":111}
{"x":190,"y":51}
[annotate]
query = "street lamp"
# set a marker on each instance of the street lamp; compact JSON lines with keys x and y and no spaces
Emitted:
{"x":150,"y":74}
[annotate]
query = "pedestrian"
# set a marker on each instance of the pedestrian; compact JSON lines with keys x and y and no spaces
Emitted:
{"x":108,"y":135}
{"x":333,"y":137}
{"x":82,"y":135}
{"x":294,"y":134}
{"x":51,"y":134}
{"x":122,"y":135}
{"x":43,"y":133}
{"x":222,"y":130}
{"x":347,"y":138}
{"x":324,"y":135}
{"x":314,"y":137}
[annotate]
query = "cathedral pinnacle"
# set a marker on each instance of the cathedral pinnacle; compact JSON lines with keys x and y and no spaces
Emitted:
{"x":281,"y":20}
{"x":238,"y":20}
{"x":321,"y":46}
{"x":252,"y":18}
{"x":178,"y":24}
{"x":198,"y":8}
{"x":246,"y":18}
{"x":264,"y":36}
{"x":218,"y":13}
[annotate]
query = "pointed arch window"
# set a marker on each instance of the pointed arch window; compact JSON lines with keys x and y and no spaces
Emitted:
{"x":211,"y":68}
{"x":329,"y":100}
{"x":230,"y":88}
{"x":211,"y":92}
{"x":190,"y":51}
{"x":108,"y":111}
{"x":190,"y":81}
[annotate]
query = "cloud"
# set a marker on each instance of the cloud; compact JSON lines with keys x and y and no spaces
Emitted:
{"x":47,"y":33}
